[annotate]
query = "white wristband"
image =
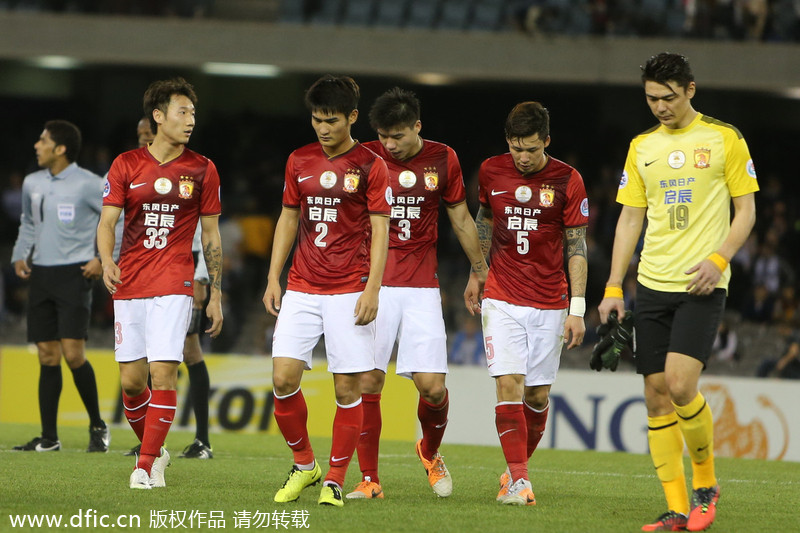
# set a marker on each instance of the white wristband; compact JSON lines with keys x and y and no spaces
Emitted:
{"x":577,"y":306}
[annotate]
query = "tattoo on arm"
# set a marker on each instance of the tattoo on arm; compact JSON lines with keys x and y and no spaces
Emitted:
{"x":484,"y":222}
{"x":576,"y":260}
{"x":576,"y":241}
{"x":213,"y":257}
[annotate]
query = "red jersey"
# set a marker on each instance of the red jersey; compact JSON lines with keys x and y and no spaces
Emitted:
{"x":335,"y":196}
{"x":162,"y":205}
{"x":418,"y":184}
{"x":530,"y":214}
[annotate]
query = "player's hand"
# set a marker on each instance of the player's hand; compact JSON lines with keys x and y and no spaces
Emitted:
{"x":200,"y":295}
{"x":616,"y":338}
{"x":574,"y":330}
{"x":111,"y":277}
{"x":93,"y":269}
{"x":272,"y":298}
{"x":366,"y":308}
{"x":608,"y":305}
{"x":214,"y":314}
{"x":22,"y":269}
{"x":707,"y":275}
{"x":473,"y":294}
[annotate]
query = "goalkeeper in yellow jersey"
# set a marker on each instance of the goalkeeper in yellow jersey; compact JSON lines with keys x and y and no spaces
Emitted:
{"x":681,"y":175}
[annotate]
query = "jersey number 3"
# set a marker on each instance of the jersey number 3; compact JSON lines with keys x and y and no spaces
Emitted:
{"x":156,"y":238}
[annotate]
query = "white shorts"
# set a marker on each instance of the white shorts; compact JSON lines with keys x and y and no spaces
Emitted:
{"x":413,"y":316}
{"x":522,"y":340}
{"x":303,"y":318}
{"x":151,"y":327}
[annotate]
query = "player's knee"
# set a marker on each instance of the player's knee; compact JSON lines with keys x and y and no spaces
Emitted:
{"x":372,"y":382}
{"x":284,"y":384}
{"x":433,"y":393}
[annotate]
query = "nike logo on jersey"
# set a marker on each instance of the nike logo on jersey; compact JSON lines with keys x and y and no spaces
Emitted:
{"x":648,"y":163}
{"x":295,"y":442}
{"x":662,"y":464}
{"x":506,"y":431}
{"x":301,"y":180}
{"x":137,"y":185}
{"x":440,"y":426}
{"x":703,"y":448}
{"x":337,"y":459}
{"x":495,"y":193}
{"x":160,"y":419}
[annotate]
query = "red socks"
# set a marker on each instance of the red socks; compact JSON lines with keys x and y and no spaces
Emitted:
{"x":158,"y":420}
{"x":369,"y":439}
{"x":346,"y":431}
{"x":536,"y":421}
{"x":433,"y":420}
{"x":291,"y":415}
{"x":513,"y":433}
{"x":135,"y":411}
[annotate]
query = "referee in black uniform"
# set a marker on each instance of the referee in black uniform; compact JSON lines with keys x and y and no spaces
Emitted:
{"x":55,"y":250}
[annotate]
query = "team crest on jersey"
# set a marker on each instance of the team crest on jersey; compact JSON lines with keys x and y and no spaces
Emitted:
{"x":351,"y":179}
{"x":327,"y":179}
{"x":407,"y":179}
{"x":162,"y":185}
{"x":702,"y":157}
{"x":523,"y":194}
{"x":676,"y":159}
{"x":546,"y":196}
{"x":186,"y":187}
{"x":431,"y":179}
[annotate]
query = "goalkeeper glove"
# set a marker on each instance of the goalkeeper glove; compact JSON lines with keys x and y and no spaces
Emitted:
{"x":615,"y":338}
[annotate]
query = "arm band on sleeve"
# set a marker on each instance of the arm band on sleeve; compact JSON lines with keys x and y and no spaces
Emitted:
{"x":577,"y":306}
{"x":718,"y":260}
{"x":613,"y":292}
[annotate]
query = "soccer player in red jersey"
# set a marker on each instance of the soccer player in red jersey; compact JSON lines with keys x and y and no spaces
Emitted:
{"x":164,"y":188}
{"x":422,"y":173}
{"x":337,"y":197}
{"x":531,"y":203}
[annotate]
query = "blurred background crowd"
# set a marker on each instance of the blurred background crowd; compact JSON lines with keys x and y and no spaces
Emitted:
{"x":757,"y":20}
{"x":591,"y":128}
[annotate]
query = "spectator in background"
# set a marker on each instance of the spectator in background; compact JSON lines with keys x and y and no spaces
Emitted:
{"x":786,"y":306}
{"x":759,"y":305}
{"x":788,"y":365}
{"x":466,"y":347}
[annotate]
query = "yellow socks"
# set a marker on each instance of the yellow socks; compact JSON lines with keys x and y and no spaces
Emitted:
{"x":697,"y":426}
{"x":666,"y":450}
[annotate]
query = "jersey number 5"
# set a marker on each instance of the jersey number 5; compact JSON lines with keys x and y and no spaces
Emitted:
{"x":156,"y":238}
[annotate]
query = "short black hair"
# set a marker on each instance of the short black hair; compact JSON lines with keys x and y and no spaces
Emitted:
{"x":395,"y":108}
{"x":65,"y":134}
{"x":526,"y":119}
{"x":159,"y":94}
{"x":665,"y":67}
{"x":333,"y":94}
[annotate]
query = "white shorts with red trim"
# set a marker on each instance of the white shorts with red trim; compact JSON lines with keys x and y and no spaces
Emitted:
{"x":523,"y":340}
{"x":154,"y":328}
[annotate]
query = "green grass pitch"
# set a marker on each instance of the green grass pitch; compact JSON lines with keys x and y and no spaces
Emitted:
{"x":575,"y":491}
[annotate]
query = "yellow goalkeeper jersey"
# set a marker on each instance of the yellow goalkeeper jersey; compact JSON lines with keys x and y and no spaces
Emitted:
{"x":685,"y":178}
